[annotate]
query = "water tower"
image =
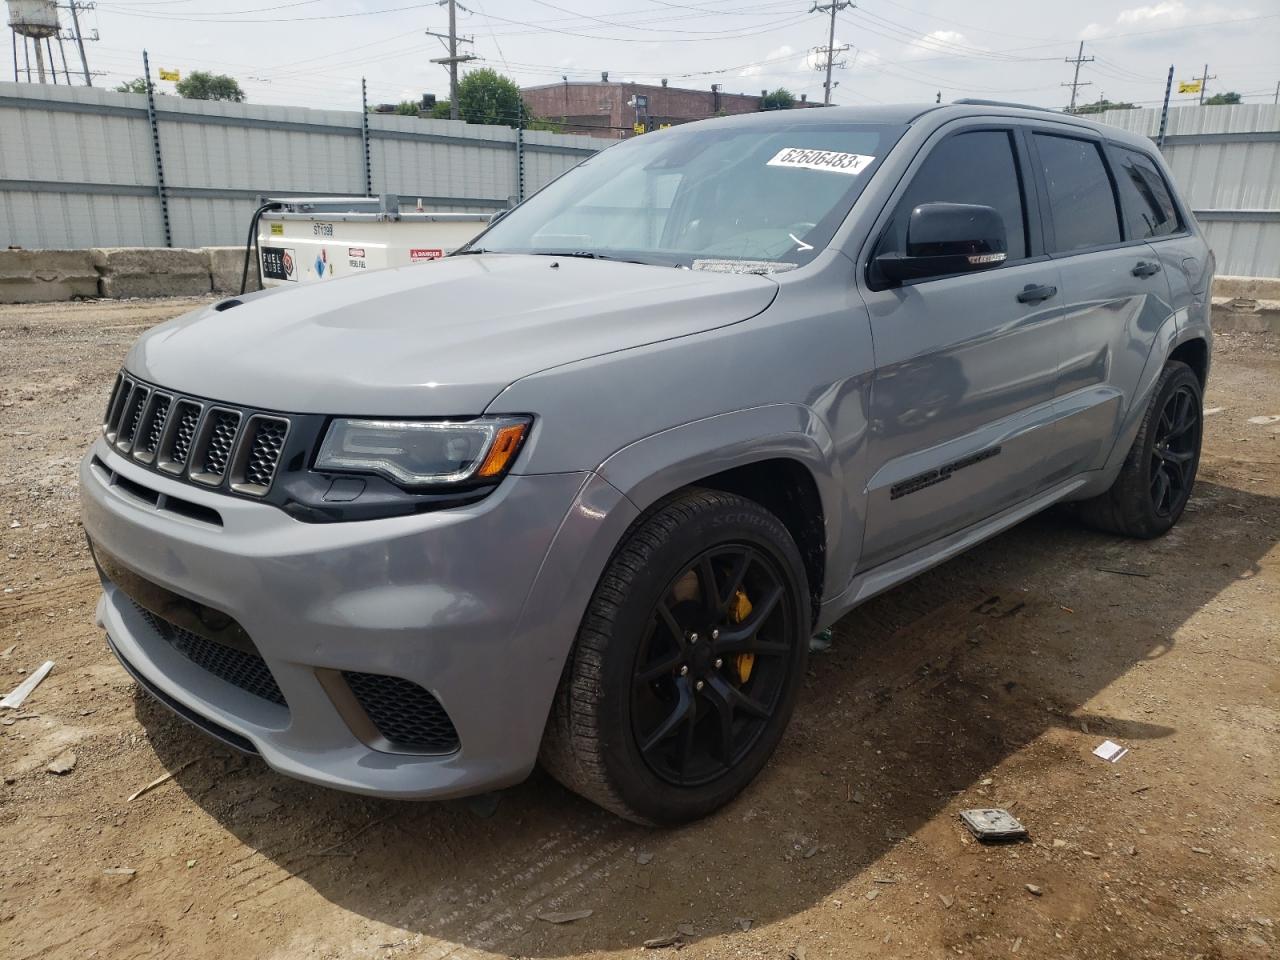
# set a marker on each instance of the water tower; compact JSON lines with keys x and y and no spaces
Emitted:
{"x":36,"y":22}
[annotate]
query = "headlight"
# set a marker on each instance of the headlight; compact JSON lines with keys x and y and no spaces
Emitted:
{"x":420,"y":452}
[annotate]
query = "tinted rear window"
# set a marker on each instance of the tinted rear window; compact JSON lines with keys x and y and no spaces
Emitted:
{"x":1081,"y":200}
{"x":1149,"y":210}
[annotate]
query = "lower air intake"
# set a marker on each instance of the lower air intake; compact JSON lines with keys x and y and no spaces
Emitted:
{"x":405,"y":714}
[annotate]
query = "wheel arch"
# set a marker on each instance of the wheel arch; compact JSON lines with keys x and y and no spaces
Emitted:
{"x":780,"y":456}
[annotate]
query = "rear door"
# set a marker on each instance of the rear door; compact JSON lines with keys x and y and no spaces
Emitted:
{"x":962,"y":397}
{"x":1114,"y":288}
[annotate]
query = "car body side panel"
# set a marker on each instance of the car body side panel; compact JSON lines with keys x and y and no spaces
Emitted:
{"x":1113,"y":320}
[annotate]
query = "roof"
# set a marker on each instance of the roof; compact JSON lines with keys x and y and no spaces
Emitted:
{"x":906,"y":114}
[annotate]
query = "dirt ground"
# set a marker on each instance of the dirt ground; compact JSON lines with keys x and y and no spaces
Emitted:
{"x":986,"y":682}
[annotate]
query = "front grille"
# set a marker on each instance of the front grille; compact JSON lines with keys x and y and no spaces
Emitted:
{"x":405,"y":714}
{"x":243,"y":669}
{"x":127,"y":428}
{"x":184,"y":431}
{"x":214,"y":446}
{"x":264,"y":452}
{"x":187,"y":438}
{"x":148,"y":440}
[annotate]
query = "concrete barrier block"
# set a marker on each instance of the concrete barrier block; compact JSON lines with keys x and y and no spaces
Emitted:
{"x":1245,"y":314}
{"x":151,"y":272}
{"x":1247,"y":288}
{"x":226,"y":264}
{"x":44,"y":276}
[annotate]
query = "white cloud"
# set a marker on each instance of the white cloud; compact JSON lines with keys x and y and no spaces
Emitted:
{"x":756,"y":69}
{"x":939,"y":42}
{"x":1160,"y":16}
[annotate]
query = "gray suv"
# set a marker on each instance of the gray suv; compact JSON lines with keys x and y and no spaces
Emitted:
{"x":582,"y":493}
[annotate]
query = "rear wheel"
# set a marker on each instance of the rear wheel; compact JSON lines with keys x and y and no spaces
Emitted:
{"x":1154,"y":484}
{"x":687,"y":664}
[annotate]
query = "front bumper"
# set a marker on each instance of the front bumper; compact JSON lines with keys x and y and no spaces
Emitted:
{"x":477,"y":605}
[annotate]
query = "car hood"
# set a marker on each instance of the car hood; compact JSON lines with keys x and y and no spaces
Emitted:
{"x":434,"y":339}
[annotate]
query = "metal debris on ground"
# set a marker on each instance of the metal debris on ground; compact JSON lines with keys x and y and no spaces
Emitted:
{"x":23,"y":690}
{"x":1109,"y":751}
{"x":993,"y":824}
{"x":564,"y":916}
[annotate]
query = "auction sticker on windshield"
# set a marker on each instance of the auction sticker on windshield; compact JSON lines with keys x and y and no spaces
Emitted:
{"x":805,"y":159}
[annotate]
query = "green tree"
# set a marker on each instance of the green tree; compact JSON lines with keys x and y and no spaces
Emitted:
{"x":1101,"y":106}
{"x":485,"y":96}
{"x":780,"y":99}
{"x":440,"y":111}
{"x":1223,"y":99}
{"x":201,"y":85}
{"x":136,"y":85}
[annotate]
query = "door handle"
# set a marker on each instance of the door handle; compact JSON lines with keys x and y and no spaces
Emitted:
{"x":1145,"y":268}
{"x":1034,"y":293}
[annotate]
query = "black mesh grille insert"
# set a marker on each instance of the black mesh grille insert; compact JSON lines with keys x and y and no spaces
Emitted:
{"x":113,"y":408}
{"x":188,"y":415}
{"x":222,"y":437}
{"x":154,"y":429}
{"x":248,"y":671}
{"x":264,"y":451}
{"x":132,"y":417}
{"x":404,"y":713}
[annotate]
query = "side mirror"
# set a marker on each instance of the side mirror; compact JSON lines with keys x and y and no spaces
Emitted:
{"x":946,"y":238}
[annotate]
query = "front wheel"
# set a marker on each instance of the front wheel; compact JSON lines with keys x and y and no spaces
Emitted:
{"x":1154,"y":484}
{"x":687,"y":664}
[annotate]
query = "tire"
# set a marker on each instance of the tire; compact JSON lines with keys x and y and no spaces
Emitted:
{"x":600,"y":738}
{"x":1138,"y":504}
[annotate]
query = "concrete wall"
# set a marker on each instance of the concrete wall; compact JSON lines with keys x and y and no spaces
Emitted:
{"x":1226,"y":161}
{"x":42,"y":276}
{"x":77,"y":164}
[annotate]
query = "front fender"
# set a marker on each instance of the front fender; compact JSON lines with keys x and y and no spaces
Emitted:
{"x":649,"y":469}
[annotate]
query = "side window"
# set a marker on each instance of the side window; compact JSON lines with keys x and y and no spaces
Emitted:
{"x":1148,"y":208}
{"x":976,"y":167}
{"x":1080,"y":195}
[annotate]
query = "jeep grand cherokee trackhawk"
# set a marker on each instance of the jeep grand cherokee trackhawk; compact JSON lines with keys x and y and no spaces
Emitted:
{"x":582,"y":492}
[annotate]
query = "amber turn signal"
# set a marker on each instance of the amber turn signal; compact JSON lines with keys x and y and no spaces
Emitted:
{"x":503,"y":451}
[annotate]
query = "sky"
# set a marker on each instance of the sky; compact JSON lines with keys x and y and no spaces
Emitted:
{"x":313,"y":53}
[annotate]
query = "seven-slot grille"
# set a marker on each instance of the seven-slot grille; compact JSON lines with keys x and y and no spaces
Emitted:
{"x":204,"y":443}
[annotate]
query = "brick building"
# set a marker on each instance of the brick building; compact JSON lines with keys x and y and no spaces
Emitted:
{"x":604,"y":109}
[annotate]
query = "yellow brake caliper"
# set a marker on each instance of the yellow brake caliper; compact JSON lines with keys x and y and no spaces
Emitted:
{"x":740,"y":611}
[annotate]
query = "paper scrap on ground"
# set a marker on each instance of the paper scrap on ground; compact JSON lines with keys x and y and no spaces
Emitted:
{"x":19,"y":693}
{"x":1265,"y":420}
{"x":1111,"y":752}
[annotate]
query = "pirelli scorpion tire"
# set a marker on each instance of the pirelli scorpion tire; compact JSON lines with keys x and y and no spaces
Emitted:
{"x":1154,"y":484}
{"x":687,"y":664}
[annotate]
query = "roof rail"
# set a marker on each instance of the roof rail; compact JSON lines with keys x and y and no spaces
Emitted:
{"x":971,"y":102}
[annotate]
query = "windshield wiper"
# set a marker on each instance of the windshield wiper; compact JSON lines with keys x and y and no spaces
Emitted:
{"x":471,"y":250}
{"x":588,"y":255}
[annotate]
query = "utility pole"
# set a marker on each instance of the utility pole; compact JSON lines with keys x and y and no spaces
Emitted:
{"x":453,"y":59}
{"x":1276,"y":100}
{"x":1204,"y":82}
{"x":1164,"y":110}
{"x":1076,"y":83}
{"x":832,"y":7}
{"x":75,"y":7}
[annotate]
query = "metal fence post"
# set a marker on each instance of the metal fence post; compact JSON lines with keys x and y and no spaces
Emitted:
{"x":520,"y":154}
{"x":1164,"y":110}
{"x":155,"y":142}
{"x":364,"y":134}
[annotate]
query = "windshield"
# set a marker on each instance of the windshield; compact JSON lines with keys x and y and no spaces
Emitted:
{"x":706,"y":197}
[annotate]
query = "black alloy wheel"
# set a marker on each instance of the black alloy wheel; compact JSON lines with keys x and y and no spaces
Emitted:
{"x":712,"y":665}
{"x":1174,"y":453}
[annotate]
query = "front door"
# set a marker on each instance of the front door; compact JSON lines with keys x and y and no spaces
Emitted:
{"x":962,"y":397}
